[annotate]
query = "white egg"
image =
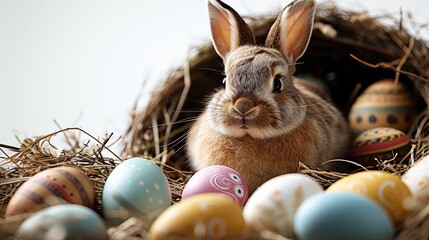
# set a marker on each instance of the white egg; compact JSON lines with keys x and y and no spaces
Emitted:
{"x":273,"y":205}
{"x":417,"y":180}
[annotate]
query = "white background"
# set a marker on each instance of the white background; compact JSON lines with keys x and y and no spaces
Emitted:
{"x":83,"y":63}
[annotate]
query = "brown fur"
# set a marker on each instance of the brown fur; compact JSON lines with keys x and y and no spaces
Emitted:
{"x":258,"y":160}
{"x":254,"y":129}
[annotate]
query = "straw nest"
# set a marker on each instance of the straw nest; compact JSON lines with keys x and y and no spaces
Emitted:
{"x":351,"y":49}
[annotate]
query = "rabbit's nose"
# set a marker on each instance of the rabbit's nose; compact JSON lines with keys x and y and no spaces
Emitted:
{"x":244,"y":106}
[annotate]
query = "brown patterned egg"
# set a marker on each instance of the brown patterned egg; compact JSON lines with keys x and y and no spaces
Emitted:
{"x":383,"y":104}
{"x":51,"y":187}
{"x":381,"y":143}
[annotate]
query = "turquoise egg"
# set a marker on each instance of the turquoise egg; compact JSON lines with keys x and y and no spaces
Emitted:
{"x":339,"y":216}
{"x":67,"y":222}
{"x":136,"y":188}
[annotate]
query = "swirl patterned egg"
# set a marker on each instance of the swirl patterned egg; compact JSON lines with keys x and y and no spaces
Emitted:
{"x":217,"y":179}
{"x":380,"y":143}
{"x":51,"y":187}
{"x":384,"y":188}
{"x":202,"y":216}
{"x":383,"y":104}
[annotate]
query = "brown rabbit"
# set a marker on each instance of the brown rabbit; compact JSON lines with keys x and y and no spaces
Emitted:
{"x":265,"y":121}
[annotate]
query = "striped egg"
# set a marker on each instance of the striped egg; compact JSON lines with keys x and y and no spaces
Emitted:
{"x":52,"y":187}
{"x":381,"y":143}
{"x":383,"y":104}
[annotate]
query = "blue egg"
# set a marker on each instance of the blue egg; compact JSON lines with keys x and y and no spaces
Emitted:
{"x":135,"y":188}
{"x":339,"y":216}
{"x":68,"y":222}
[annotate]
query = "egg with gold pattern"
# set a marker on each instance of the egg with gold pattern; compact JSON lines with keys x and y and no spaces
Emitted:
{"x":385,"y":189}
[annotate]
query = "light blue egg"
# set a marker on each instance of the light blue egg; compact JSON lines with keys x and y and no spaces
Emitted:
{"x":66,"y":222}
{"x":340,"y":216}
{"x":136,"y":187}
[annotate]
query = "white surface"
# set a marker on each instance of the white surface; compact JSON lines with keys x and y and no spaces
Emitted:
{"x":82,"y":63}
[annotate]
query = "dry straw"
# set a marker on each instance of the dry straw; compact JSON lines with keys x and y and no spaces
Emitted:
{"x":352,"y":49}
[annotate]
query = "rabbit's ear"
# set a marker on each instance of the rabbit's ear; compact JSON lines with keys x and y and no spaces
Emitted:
{"x":229,"y":31}
{"x":291,"y":32}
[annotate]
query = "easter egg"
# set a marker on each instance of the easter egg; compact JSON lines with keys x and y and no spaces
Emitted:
{"x":273,"y":205}
{"x":202,"y":216}
{"x":383,"y":104}
{"x":380,"y":143}
{"x":51,"y":187}
{"x":417,"y":180}
{"x":67,"y":222}
{"x":315,"y":80}
{"x":383,"y":188}
{"x":217,"y":179}
{"x":339,"y":216}
{"x":136,"y":187}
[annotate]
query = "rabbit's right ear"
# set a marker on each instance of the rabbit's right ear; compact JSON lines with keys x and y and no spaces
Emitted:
{"x":291,"y":31}
{"x":229,"y":31}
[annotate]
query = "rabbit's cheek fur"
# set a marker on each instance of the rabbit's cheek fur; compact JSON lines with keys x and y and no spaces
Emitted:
{"x":292,"y":110}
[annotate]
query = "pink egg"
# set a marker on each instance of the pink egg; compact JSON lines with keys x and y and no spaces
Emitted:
{"x":218,"y":179}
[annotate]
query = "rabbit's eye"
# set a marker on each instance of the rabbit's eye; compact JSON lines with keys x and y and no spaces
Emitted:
{"x":224,"y":82}
{"x":277,"y":84}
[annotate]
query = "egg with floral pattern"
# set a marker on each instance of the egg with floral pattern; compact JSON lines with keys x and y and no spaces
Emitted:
{"x":274,"y":204}
{"x":417,"y":180}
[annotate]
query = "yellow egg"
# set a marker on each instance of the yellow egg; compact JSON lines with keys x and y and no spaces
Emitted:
{"x":203,"y":216}
{"x":383,"y":104}
{"x":51,"y":187}
{"x":384,"y":188}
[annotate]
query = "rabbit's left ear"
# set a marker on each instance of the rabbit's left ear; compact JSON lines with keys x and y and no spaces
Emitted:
{"x":229,"y":30}
{"x":291,"y":32}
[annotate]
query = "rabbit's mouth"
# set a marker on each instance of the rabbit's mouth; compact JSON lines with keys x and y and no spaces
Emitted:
{"x":244,"y":127}
{"x":244,"y":123}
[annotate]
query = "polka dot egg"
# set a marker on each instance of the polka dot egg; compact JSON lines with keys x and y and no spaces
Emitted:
{"x":383,"y":104}
{"x":66,"y":222}
{"x":136,"y":187}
